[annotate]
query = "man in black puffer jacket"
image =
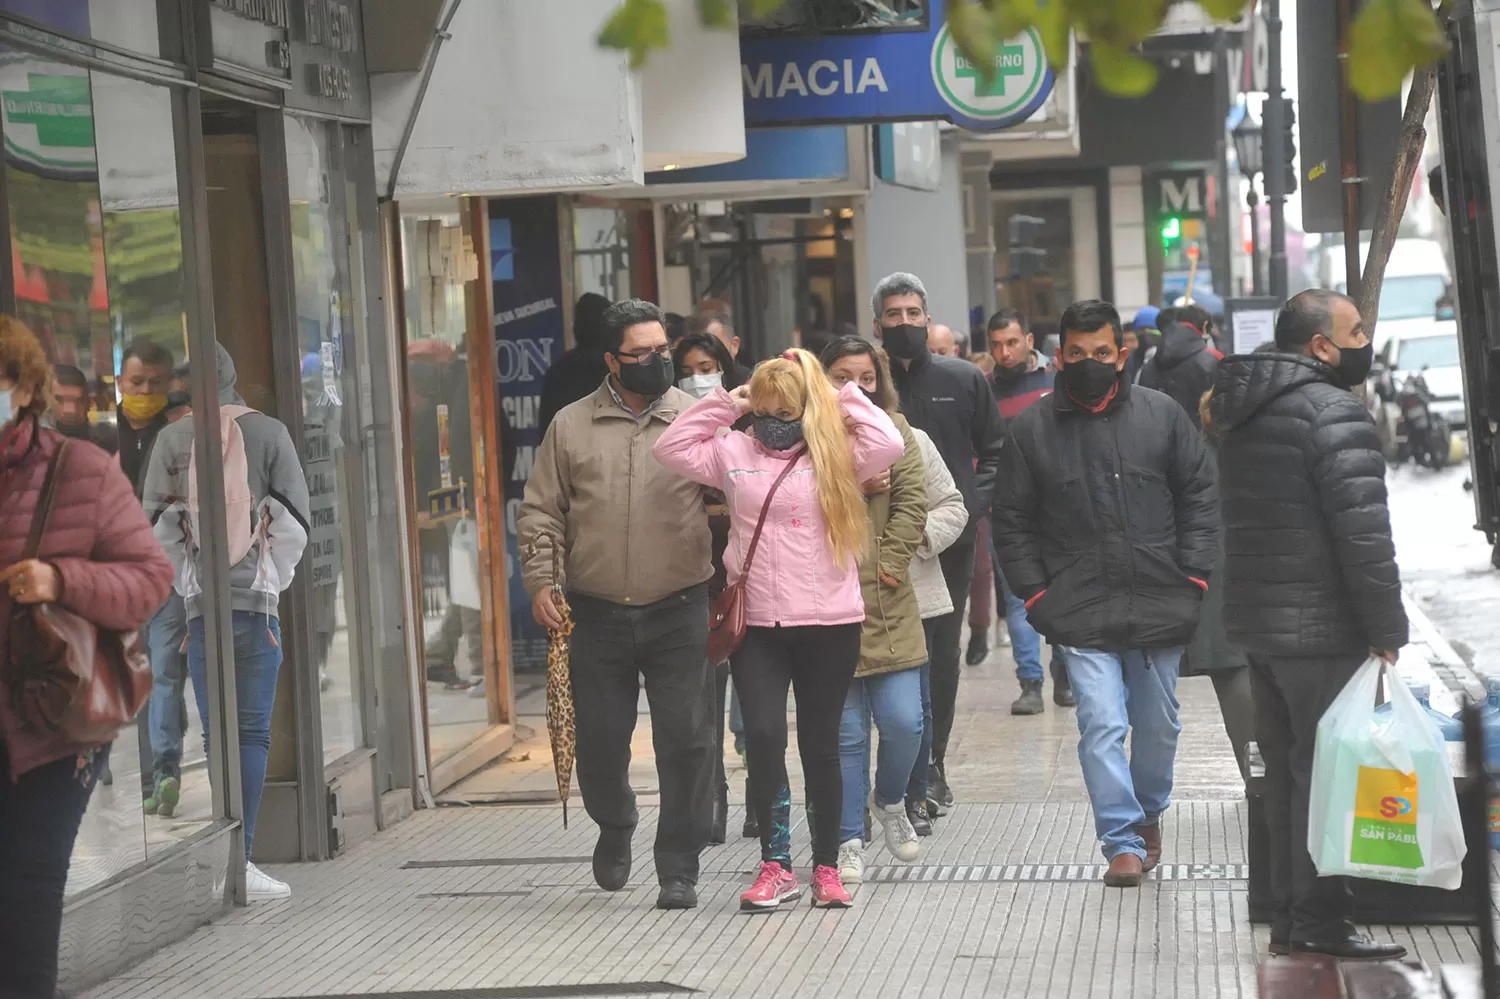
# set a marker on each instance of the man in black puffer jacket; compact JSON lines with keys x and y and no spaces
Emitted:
{"x":1183,"y":366}
{"x":1312,"y":587}
{"x":1106,"y":524}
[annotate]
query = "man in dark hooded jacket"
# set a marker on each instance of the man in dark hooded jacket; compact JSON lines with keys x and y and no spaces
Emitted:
{"x":1183,"y":366}
{"x":579,"y":372}
{"x":1312,"y":588}
{"x":1106,"y":524}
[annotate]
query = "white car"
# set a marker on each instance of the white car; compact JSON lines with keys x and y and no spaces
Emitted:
{"x":1435,"y":354}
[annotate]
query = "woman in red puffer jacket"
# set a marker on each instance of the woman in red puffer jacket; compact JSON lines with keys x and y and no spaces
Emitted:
{"x":98,"y":559}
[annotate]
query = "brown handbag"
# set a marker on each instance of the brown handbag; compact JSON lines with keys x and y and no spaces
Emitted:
{"x":727,"y":616}
{"x":70,"y":682}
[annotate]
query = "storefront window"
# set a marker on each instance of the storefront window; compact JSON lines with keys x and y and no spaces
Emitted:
{"x":440,"y":435}
{"x":128,"y":24}
{"x":96,"y":253}
{"x":1035,"y":261}
{"x":327,"y":344}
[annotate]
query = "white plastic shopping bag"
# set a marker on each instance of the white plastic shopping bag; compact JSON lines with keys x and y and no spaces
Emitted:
{"x":463,"y":564}
{"x":1383,"y":805}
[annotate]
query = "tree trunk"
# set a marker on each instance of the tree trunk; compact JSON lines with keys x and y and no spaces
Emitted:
{"x":1393,"y":201}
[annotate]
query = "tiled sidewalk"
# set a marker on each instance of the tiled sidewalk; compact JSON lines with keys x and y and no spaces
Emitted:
{"x":1005,"y":900}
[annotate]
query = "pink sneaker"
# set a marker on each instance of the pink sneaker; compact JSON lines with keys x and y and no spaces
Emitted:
{"x":828,"y":891}
{"x":774,"y":885}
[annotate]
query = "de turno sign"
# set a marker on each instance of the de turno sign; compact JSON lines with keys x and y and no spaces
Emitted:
{"x":892,"y":75}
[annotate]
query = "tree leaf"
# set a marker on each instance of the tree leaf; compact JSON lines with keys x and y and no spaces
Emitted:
{"x":717,"y":13}
{"x":1223,"y":10}
{"x":1120,"y":71}
{"x":637,"y":27}
{"x":974,"y":33}
{"x":1390,"y":38}
{"x":1057,"y":34}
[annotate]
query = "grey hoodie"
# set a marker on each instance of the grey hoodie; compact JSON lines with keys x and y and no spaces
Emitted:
{"x":277,"y":487}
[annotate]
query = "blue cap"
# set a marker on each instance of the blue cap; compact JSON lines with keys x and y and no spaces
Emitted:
{"x":1146,"y":316}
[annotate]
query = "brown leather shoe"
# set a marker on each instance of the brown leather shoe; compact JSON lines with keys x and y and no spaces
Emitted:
{"x":1124,"y":872}
{"x":1152,"y":836}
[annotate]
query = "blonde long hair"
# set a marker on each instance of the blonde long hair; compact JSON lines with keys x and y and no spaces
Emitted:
{"x":795,"y":382}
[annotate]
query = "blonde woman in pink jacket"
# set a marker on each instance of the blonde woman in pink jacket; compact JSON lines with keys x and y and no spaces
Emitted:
{"x":803,"y":601}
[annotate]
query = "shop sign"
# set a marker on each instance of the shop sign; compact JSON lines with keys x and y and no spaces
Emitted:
{"x":527,"y":290}
{"x":271,"y":12}
{"x":48,"y":117}
{"x":1181,"y":194}
{"x":891,"y":76}
{"x":312,"y":48}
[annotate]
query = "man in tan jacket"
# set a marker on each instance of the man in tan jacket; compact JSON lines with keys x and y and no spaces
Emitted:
{"x":634,"y":572}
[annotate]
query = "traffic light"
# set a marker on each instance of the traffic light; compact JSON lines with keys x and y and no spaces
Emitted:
{"x":1171,"y":232}
{"x":1289,"y":127}
{"x":1026,"y":258}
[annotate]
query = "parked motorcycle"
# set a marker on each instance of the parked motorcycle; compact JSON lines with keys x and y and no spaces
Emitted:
{"x":1421,"y":434}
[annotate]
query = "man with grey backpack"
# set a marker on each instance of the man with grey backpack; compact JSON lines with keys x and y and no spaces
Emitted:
{"x":266,"y":505}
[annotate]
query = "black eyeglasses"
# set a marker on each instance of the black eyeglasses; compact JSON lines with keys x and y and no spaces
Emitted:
{"x":637,"y":356}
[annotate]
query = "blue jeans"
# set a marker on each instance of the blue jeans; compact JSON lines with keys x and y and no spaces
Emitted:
{"x":916,"y":787}
{"x":168,"y":715}
{"x":257,"y":660}
{"x":1025,"y":643}
{"x":894,"y":700}
{"x":736,"y":720}
{"x":1122,"y":693}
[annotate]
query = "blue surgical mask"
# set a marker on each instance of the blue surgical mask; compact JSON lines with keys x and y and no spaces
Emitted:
{"x":7,"y":410}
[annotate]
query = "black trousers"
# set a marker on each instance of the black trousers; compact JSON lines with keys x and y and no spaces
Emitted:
{"x":817,"y":663}
{"x":39,"y":819}
{"x":721,"y":691}
{"x":612,"y":648}
{"x":1290,"y":697}
{"x":958,"y":571}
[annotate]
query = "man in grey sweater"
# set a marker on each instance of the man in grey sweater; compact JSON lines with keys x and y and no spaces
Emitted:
{"x":264,"y":484}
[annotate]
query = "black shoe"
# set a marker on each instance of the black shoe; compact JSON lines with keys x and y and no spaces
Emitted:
{"x":979,"y":647}
{"x":919,"y":820}
{"x":677,"y":893}
{"x":1062,"y":689}
{"x":1354,"y":947}
{"x":717,"y":832}
{"x":612,"y":858}
{"x":937,"y":786}
{"x":1030,"y":701}
{"x":933,"y":808}
{"x":1279,"y":946}
{"x":869,"y":827}
{"x":751,"y":828}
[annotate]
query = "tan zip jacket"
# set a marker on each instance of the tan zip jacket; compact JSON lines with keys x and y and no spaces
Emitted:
{"x":632,"y":532}
{"x":893,"y":638}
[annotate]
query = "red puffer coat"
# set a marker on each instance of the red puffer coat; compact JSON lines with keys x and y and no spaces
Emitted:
{"x":113,"y":571}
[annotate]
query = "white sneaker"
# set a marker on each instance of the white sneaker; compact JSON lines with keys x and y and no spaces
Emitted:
{"x":900,"y":837}
{"x":852,"y":862}
{"x":261,"y":887}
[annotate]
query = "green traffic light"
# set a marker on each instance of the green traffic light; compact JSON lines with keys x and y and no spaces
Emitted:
{"x":1171,"y":229}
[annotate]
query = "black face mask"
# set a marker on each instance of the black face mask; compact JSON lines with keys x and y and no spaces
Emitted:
{"x":1354,"y":364}
{"x":651,"y":377}
{"x":906,"y":341}
{"x":874,"y":397}
{"x":776,"y":434}
{"x":1089,"y":380}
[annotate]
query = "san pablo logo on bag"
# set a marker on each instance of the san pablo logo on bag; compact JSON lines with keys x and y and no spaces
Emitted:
{"x":1020,"y":72}
{"x":1385,"y":820}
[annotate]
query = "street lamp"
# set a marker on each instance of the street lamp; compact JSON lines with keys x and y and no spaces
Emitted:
{"x":1249,"y":149}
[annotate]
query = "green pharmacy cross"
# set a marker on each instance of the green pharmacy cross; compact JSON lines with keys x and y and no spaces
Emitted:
{"x":1010,"y":60}
{"x":59,"y":107}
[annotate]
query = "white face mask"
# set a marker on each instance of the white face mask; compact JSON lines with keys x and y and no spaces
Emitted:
{"x":699,"y":386}
{"x":7,"y":408}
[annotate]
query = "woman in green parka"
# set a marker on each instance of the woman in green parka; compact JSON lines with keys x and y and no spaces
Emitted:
{"x":887,"y":686}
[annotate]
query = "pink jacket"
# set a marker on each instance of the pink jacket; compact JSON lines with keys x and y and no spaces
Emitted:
{"x":794,"y":580}
{"x":113,"y":571}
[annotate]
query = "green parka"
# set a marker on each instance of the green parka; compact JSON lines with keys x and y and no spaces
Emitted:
{"x":893,"y":639}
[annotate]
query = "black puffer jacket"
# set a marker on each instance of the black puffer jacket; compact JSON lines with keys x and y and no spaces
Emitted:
{"x":1112,"y":514}
{"x":950,"y":400}
{"x":1311,"y":569}
{"x":1183,"y":367}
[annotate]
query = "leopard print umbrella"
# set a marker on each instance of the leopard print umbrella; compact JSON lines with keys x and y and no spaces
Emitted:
{"x":561,"y":724}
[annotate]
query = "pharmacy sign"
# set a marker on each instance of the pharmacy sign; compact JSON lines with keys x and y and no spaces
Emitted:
{"x":1020,"y":72}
